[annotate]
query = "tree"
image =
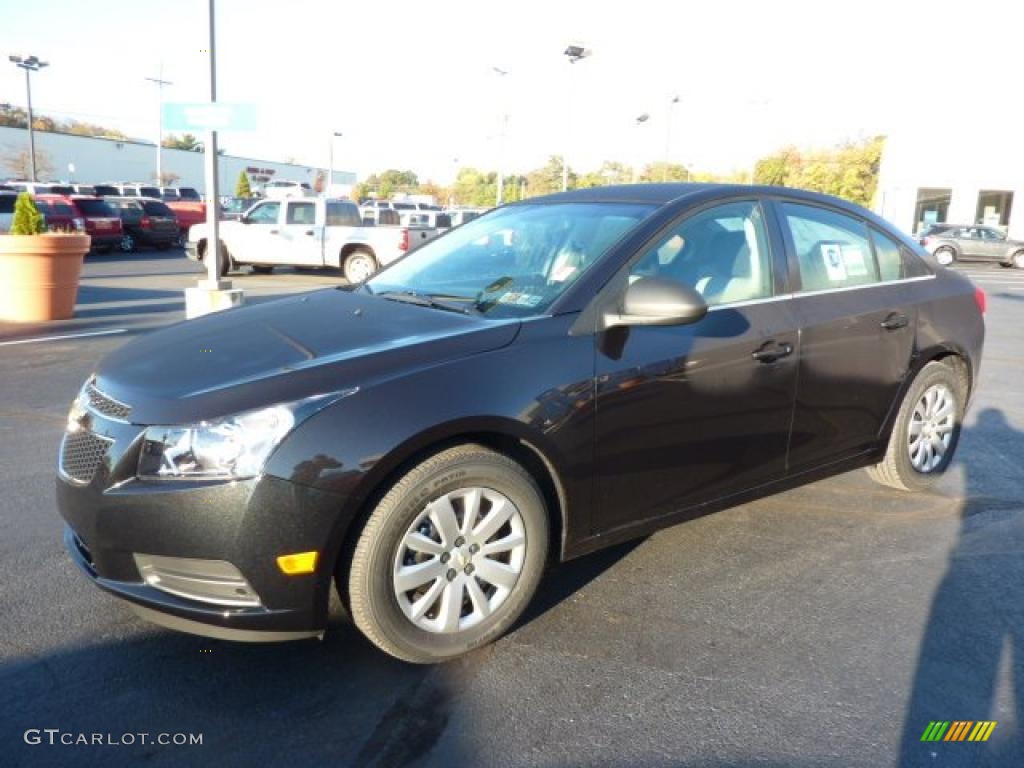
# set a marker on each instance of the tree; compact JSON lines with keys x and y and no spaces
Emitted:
{"x":167,"y":178}
{"x":20,"y":164}
{"x":544,"y":181}
{"x":849,"y":170}
{"x":27,"y":219}
{"x":186,"y":141}
{"x":242,"y":188}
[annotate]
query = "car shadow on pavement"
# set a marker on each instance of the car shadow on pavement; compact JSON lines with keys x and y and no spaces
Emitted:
{"x":975,"y":630}
{"x":132,"y":309}
{"x":95,"y":294}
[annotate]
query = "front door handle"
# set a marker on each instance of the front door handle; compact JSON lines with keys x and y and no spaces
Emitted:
{"x":273,"y":231}
{"x":771,"y":351}
{"x":895,"y":321}
{"x":309,"y":232}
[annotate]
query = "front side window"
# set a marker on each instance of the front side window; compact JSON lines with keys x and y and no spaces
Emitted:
{"x":832,"y":249}
{"x":515,"y":261}
{"x":301,"y":213}
{"x":264,"y":214}
{"x":721,"y":252}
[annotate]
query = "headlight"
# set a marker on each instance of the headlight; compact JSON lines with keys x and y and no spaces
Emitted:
{"x":234,"y":447}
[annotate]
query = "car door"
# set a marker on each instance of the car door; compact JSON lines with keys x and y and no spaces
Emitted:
{"x":301,"y":236}
{"x":255,"y":240}
{"x":992,"y":245}
{"x":968,"y":240}
{"x":689,"y":413}
{"x":856,"y":333}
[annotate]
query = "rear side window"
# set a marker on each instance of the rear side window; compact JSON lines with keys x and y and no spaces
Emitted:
{"x":58,"y":189}
{"x":7,"y":203}
{"x":342,"y":215}
{"x":890,"y":256}
{"x":832,"y":249}
{"x":722,"y":252}
{"x":149,"y":192}
{"x":301,"y":213}
{"x":95,"y":208}
{"x":188,"y":193}
{"x":103,"y":189}
{"x":154,"y":208}
{"x":129,"y":192}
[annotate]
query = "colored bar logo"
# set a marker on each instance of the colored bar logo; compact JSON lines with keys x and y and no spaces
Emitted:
{"x":959,"y":730}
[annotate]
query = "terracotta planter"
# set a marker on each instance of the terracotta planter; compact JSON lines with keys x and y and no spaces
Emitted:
{"x":39,"y":276}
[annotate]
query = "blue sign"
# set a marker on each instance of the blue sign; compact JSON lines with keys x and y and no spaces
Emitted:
{"x":204,"y":116}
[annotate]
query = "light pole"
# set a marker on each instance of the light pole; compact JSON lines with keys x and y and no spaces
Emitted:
{"x":160,"y":83}
{"x":213,"y":254}
{"x":330,"y":166}
{"x":668,"y":136}
{"x":499,"y":197}
{"x":30,"y":64}
{"x":574,"y":53}
{"x":640,"y":120}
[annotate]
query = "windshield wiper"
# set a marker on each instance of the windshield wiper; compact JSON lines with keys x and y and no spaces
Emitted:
{"x":426,"y":300}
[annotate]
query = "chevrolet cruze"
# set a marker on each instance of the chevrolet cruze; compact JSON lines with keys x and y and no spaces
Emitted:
{"x":551,"y":378}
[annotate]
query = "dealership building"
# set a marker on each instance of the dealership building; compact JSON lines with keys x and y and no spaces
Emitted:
{"x":92,"y":160}
{"x":963,"y":174}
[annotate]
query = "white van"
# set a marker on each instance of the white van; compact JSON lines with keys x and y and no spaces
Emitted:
{"x":279,"y":189}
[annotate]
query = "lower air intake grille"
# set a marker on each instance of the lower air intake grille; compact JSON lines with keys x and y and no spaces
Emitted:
{"x":81,"y":454}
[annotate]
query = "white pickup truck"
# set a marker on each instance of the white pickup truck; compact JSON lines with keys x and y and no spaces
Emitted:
{"x":300,"y":232}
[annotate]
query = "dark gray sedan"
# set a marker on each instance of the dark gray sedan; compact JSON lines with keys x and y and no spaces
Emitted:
{"x":974,"y":242}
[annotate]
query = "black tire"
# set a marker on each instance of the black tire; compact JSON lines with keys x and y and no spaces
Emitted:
{"x":127,"y":244}
{"x":896,"y":469}
{"x":226,"y":263}
{"x":261,"y":269}
{"x":943,"y":253}
{"x":359,"y":265}
{"x":368,"y":584}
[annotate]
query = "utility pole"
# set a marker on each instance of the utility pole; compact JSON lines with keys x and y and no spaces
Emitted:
{"x":30,"y":64}
{"x":330,"y":163}
{"x":500,"y":196}
{"x":160,"y":83}
{"x":575,"y":53}
{"x":668,"y":137}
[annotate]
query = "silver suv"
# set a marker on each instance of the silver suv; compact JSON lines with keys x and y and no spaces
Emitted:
{"x":971,"y":242}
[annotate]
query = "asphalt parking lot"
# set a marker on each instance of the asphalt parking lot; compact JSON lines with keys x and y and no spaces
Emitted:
{"x":824,"y":626}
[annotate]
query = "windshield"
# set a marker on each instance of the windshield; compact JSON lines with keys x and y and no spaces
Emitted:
{"x":515,"y":261}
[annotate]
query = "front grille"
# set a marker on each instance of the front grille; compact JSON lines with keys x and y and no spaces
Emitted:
{"x":80,"y":455}
{"x":104,"y":405}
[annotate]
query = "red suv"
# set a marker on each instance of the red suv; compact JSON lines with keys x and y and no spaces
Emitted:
{"x":60,"y":214}
{"x":101,"y":221}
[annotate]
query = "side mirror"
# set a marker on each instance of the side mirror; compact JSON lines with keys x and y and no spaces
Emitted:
{"x":658,"y":301}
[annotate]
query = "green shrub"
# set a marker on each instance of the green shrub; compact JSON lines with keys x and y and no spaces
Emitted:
{"x":242,"y":188}
{"x":27,"y":218}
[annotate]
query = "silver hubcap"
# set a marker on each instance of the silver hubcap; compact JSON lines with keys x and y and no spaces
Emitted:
{"x":459,"y":560}
{"x":359,"y":268}
{"x":944,"y":256}
{"x":931,"y":428}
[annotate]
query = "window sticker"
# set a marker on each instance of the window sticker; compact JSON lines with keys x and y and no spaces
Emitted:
{"x":832,"y":256}
{"x":563,"y":273}
{"x":520,"y":299}
{"x":853,"y":259}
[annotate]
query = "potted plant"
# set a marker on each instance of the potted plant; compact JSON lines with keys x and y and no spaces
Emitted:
{"x":39,"y":270}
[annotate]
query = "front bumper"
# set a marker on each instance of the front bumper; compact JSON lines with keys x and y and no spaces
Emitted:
{"x":105,"y":240}
{"x":113,"y":516}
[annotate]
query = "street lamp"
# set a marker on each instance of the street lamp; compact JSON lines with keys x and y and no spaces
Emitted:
{"x":499,"y":197}
{"x":160,"y":83}
{"x":640,"y":120}
{"x":574,"y":53}
{"x":30,"y":64}
{"x":668,"y":136}
{"x":330,"y":166}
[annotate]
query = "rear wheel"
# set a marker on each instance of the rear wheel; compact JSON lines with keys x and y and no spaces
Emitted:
{"x":450,"y":556}
{"x":926,"y":431}
{"x":359,"y":265}
{"x":127,"y":244}
{"x":226,"y":264}
{"x":945,"y":256}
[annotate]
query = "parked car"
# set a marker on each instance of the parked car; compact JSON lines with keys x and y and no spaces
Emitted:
{"x":102,"y":223}
{"x":41,"y":188}
{"x":426,"y":218}
{"x":60,"y":214}
{"x":233,"y":207}
{"x":972,"y":242}
{"x":560,"y":375}
{"x":138,"y":190}
{"x":83,"y":189}
{"x":145,"y":222}
{"x":460,"y":216}
{"x":281,"y":189}
{"x":179,"y":193}
{"x":106,"y":190}
{"x":7,"y":200}
{"x":308,"y":233}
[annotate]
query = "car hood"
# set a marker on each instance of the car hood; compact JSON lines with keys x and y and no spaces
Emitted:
{"x":279,"y":351}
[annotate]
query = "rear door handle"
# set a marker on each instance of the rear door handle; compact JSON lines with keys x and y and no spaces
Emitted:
{"x":895,"y":321}
{"x":273,"y":231}
{"x":771,"y":351}
{"x":309,"y":232}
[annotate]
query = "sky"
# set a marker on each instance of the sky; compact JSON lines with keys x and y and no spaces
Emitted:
{"x":412,"y":84}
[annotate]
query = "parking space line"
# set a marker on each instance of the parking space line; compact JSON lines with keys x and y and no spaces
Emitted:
{"x":61,"y":338}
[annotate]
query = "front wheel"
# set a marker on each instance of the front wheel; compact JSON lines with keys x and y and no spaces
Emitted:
{"x":127,"y":244}
{"x":926,"y":431}
{"x":1018,"y":259}
{"x":450,"y":556}
{"x":945,"y":256}
{"x":359,"y":266}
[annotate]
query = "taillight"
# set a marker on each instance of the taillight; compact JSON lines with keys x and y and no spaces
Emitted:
{"x":981,"y":300}
{"x":145,"y":223}
{"x":404,"y":244}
